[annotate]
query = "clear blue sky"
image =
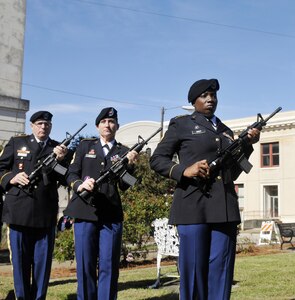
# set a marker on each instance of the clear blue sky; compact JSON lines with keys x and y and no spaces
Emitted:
{"x":139,"y":56}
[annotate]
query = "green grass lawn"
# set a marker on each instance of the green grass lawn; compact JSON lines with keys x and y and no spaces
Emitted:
{"x":256,"y":277}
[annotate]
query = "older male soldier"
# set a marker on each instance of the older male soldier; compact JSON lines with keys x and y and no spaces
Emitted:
{"x":98,"y":225}
{"x":31,"y":211}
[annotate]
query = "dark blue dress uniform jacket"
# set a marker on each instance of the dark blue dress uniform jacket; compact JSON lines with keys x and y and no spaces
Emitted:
{"x":193,"y":138}
{"x":89,"y":162}
{"x":37,"y":208}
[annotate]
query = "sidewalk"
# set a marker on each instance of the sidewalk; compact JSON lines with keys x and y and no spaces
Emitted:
{"x":6,"y":267}
{"x":251,"y":234}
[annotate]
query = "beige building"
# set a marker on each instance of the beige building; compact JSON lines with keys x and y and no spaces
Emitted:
{"x":267,"y":191}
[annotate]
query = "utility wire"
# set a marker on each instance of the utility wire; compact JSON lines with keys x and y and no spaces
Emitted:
{"x":85,"y":96}
{"x":187,"y":19}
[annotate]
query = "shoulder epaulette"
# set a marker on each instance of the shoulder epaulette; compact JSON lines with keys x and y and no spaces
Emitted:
{"x":122,"y":145}
{"x":89,"y":139}
{"x":181,"y":116}
{"x":21,"y":135}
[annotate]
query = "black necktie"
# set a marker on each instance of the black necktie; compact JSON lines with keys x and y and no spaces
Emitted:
{"x":106,"y":149}
{"x":41,"y":145}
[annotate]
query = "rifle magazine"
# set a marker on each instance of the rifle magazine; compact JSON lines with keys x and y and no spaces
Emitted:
{"x":128,"y":179}
{"x":244,"y":164}
{"x":60,"y":169}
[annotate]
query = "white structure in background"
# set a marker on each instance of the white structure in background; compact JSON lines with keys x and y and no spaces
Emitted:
{"x":266,"y":193}
{"x":167,"y":240}
{"x":129,"y":133}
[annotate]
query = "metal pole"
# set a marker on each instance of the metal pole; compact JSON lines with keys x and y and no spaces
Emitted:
{"x":162,"y":121}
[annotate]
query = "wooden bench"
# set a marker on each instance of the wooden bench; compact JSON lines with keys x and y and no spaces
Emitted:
{"x":287,"y":232}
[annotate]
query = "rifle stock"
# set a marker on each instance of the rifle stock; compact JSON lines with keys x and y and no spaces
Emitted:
{"x":118,"y":170}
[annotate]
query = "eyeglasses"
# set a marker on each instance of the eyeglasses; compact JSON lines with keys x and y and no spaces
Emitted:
{"x":40,"y":124}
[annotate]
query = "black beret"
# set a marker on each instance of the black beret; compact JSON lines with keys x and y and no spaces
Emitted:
{"x":108,"y":112}
{"x":201,"y":86}
{"x":41,"y":115}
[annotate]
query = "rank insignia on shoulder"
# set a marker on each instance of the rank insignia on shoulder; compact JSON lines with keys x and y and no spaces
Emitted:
{"x":21,"y":135}
{"x":119,"y":145}
{"x":89,"y":139}
{"x":180,"y":116}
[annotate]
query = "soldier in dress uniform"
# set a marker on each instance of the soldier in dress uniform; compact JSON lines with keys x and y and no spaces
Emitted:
{"x":98,"y":225}
{"x":206,"y":216}
{"x":30,"y":212}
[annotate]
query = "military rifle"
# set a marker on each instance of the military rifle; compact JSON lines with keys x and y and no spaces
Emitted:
{"x":235,"y":150}
{"x":50,"y":163}
{"x":118,"y":169}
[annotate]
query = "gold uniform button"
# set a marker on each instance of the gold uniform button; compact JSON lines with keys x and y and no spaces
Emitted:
{"x":102,"y":163}
{"x":217,"y":139}
{"x":219,"y":177}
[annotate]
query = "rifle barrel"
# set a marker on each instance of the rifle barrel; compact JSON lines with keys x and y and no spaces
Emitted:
{"x":67,"y":141}
{"x":84,"y":125}
{"x":274,"y":113}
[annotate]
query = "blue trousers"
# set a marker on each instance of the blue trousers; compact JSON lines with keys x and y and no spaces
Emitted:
{"x":206,"y":260}
{"x":97,"y":249}
{"x":31,"y":256}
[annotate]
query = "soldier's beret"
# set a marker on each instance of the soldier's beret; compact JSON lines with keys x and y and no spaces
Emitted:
{"x":201,"y":86}
{"x":41,"y":115}
{"x":108,"y":112}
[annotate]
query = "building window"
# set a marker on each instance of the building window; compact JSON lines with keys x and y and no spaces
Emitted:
{"x":270,"y":155}
{"x":240,"y":192}
{"x":270,"y":202}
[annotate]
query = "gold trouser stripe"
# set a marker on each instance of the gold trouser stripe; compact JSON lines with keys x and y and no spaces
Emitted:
{"x":10,"y":251}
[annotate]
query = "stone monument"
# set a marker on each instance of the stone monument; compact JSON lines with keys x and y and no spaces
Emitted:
{"x":12,"y":108}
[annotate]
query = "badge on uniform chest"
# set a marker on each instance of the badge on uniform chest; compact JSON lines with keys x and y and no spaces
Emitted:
{"x":198,"y":130}
{"x":115,"y":158}
{"x":23,"y":152}
{"x":91,"y":154}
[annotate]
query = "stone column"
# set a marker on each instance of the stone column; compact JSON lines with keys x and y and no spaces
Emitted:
{"x":12,"y":29}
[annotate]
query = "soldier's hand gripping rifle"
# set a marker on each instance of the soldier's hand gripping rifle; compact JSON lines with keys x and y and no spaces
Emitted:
{"x":118,"y":169}
{"x":50,"y":163}
{"x":235,"y":150}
